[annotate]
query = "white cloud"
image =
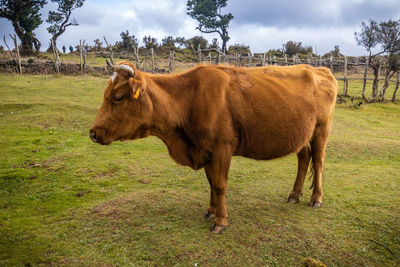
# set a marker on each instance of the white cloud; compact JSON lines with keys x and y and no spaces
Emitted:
{"x":261,"y":24}
{"x":322,"y":40}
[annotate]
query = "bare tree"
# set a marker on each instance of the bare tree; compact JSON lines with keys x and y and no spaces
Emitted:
{"x":60,"y":19}
{"x":392,"y":66}
{"x":385,"y":34}
{"x":368,"y":38}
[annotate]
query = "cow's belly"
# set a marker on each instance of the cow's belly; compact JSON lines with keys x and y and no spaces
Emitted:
{"x":268,"y":137}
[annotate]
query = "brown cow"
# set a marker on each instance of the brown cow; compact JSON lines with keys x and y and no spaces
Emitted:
{"x":208,"y":114}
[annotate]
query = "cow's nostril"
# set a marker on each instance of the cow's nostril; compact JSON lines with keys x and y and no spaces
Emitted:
{"x":93,"y":136}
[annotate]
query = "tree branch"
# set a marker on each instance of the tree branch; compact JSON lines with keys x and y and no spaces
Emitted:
{"x":211,"y":31}
{"x":12,"y":55}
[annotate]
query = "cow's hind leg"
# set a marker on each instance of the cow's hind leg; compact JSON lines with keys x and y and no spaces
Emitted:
{"x":318,"y":146}
{"x":303,"y":158}
{"x":213,"y":197}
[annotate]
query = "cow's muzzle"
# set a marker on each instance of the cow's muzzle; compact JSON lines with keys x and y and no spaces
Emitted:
{"x":93,"y":136}
{"x":99,"y":136}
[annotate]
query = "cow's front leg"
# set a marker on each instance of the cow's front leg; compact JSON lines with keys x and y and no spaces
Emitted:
{"x":213,"y":198}
{"x":219,"y":169}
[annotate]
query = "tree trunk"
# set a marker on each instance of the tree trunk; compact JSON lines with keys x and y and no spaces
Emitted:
{"x":37,"y":44}
{"x":26,"y":39}
{"x":54,"y":42}
{"x":375,"y":83}
{"x":223,"y":48}
{"x":26,"y":45}
{"x":224,"y":38}
{"x":385,"y":86}
{"x":397,"y":86}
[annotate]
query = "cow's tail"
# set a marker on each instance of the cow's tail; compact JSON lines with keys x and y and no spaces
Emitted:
{"x":311,"y":170}
{"x":312,"y":174}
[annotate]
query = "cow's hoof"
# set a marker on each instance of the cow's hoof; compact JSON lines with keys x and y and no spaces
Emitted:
{"x":292,"y":199}
{"x":217,"y":229}
{"x":209,"y":216}
{"x":314,"y":204}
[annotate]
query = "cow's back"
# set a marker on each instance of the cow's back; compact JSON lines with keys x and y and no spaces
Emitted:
{"x":274,"y":110}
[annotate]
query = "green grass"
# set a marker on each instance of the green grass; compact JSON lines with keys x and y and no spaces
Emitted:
{"x":137,"y":207}
{"x":355,"y":87}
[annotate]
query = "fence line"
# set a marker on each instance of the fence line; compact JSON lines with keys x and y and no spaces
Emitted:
{"x":145,"y":60}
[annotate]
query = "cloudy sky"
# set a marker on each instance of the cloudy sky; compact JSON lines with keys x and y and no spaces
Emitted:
{"x":261,"y":24}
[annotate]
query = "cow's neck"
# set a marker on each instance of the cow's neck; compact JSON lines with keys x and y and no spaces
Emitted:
{"x":172,"y":99}
{"x":171,"y":96}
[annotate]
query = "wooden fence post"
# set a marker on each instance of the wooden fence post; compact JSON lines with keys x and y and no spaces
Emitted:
{"x":198,"y":54}
{"x":58,"y":57}
{"x":80,"y":53}
{"x":331,"y":63}
{"x":11,"y":53}
{"x":171,"y":60}
{"x":55,"y":57}
{"x":152,"y":59}
{"x":217,"y":58}
{"x":136,"y":53}
{"x":111,"y":50}
{"x":356,"y":65}
{"x":250,"y":59}
{"x":84,"y":54}
{"x":365,"y":77}
{"x":18,"y":56}
{"x":345,"y":85}
{"x":275,"y":62}
{"x":264,"y":60}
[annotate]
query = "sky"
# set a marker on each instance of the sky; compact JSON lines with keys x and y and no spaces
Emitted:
{"x":261,"y":24}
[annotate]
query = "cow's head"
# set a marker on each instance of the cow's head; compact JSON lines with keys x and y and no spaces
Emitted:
{"x":126,"y":109}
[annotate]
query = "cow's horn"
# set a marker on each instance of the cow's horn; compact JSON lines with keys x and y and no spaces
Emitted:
{"x":125,"y":68}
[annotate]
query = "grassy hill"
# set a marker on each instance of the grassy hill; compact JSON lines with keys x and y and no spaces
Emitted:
{"x":67,"y":201}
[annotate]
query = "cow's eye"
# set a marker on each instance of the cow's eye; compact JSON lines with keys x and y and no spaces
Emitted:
{"x":118,"y":98}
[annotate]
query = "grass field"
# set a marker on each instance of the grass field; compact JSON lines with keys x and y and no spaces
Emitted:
{"x":67,"y":201}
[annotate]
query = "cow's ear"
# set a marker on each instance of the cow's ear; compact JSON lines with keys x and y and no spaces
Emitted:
{"x":137,"y":87}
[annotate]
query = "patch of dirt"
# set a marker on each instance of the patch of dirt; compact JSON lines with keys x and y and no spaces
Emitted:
{"x":139,"y":209}
{"x":112,"y":209}
{"x":108,"y":173}
{"x":51,"y":161}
